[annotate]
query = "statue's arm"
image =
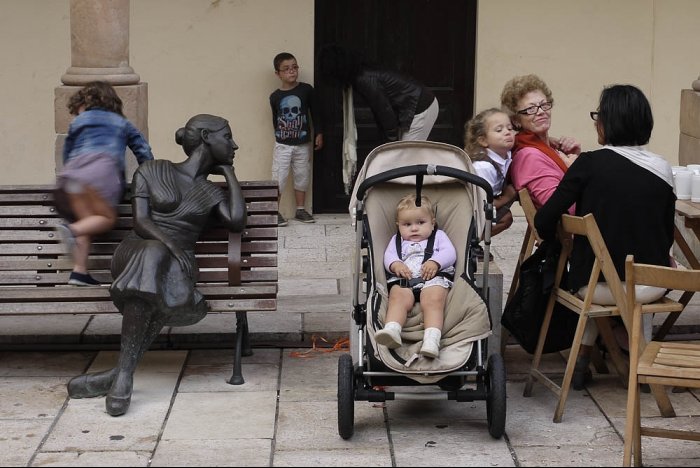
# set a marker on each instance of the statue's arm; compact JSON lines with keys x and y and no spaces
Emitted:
{"x":232,"y":210}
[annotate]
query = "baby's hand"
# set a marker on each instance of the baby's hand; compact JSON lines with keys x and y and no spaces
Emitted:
{"x":401,"y":270}
{"x":429,"y":270}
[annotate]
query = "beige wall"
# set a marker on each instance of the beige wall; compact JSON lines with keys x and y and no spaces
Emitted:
{"x":215,"y":56}
{"x":578,"y":47}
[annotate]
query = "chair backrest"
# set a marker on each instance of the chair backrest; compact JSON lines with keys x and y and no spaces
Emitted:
{"x":586,"y":226}
{"x":660,"y":276}
{"x":529,"y":239}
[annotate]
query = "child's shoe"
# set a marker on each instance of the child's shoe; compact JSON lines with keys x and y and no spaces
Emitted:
{"x":280,"y":220}
{"x":304,"y":216}
{"x":389,"y":336}
{"x":431,"y":342}
{"x":80,"y":279}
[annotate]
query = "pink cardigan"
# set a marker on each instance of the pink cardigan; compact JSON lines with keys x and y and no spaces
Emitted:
{"x":532,"y":169}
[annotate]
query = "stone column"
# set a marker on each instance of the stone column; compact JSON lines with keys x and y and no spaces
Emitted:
{"x":100,"y":51}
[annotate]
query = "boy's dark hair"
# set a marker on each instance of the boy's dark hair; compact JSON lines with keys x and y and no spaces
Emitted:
{"x":625,"y":115}
{"x":281,"y":57}
{"x":95,"y":94}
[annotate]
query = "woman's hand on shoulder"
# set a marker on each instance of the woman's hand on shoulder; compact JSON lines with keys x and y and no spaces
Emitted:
{"x":567,"y":145}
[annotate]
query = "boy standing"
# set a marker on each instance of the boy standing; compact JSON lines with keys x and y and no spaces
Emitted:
{"x":294,"y":109}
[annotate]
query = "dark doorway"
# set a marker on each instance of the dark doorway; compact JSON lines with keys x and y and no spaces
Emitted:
{"x":431,"y":40}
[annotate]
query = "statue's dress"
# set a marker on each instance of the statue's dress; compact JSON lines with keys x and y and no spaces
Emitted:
{"x":145,"y":269}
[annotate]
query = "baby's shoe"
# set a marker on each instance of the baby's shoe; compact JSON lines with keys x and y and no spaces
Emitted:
{"x":390,"y":335}
{"x":431,"y":342}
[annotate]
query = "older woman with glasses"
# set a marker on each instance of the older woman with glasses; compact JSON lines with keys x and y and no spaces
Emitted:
{"x":629,"y":190}
{"x":539,"y":161}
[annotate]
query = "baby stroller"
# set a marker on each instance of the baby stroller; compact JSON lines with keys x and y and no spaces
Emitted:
{"x":460,"y":373}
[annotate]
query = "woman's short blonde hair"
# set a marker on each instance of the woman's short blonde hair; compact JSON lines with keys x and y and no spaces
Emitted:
{"x":409,"y":202}
{"x":518,"y":87}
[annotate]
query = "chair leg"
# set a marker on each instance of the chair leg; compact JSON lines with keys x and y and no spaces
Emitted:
{"x":662,"y":401}
{"x":570,"y":365}
{"x":631,"y":425}
{"x":620,"y":362}
{"x":527,"y":392}
{"x":505,"y":336}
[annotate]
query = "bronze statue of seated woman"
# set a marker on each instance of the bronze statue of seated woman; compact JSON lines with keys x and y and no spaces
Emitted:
{"x":154,"y":267}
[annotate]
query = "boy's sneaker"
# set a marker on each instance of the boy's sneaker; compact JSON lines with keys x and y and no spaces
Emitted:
{"x":280,"y":220}
{"x":304,"y":216}
{"x":67,"y":237}
{"x":80,"y":279}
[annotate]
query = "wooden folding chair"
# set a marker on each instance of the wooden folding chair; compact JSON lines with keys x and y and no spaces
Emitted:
{"x":531,"y":239}
{"x":587,"y":227}
{"x":661,"y":363}
{"x":528,"y":246}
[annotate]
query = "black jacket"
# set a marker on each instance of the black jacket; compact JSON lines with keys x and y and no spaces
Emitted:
{"x":633,"y":208}
{"x":394,"y":98}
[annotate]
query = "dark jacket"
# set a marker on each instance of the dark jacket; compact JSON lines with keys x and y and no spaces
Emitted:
{"x":394,"y":98}
{"x":634,"y":210}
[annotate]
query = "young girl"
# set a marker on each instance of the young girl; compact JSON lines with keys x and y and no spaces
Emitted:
{"x":92,"y":182}
{"x":430,"y":278}
{"x":489,"y":137}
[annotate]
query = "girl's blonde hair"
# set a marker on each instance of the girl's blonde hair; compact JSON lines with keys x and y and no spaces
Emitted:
{"x":475,"y":129}
{"x":409,"y":202}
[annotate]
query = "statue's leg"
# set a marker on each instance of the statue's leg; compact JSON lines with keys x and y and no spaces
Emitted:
{"x":91,"y":385}
{"x":140,"y":327}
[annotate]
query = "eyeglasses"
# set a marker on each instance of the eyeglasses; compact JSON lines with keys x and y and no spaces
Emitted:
{"x":532,"y":110}
{"x":594,"y":116}
{"x":288,"y":69}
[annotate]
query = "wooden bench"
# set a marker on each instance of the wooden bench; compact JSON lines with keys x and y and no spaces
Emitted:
{"x":237,"y":272}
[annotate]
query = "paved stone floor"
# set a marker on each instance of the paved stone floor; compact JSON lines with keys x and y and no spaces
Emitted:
{"x":184,"y":413}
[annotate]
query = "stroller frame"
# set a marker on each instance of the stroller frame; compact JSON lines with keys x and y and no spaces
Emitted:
{"x":362,"y":380}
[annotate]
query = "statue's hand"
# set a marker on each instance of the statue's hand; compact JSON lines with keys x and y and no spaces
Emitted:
{"x":182,"y":259}
{"x":223,"y":170}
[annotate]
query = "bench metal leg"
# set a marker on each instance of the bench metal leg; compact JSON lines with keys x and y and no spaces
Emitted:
{"x":242,"y":348}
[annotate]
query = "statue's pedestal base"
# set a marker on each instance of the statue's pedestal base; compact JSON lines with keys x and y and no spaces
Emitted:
{"x":134,"y":105}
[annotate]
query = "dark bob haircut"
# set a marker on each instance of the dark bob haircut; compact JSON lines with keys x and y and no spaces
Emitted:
{"x":625,"y":115}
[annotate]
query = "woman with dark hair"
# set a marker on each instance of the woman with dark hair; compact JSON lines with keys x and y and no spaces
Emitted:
{"x":154,"y":267}
{"x":404,"y":108}
{"x":630,"y":192}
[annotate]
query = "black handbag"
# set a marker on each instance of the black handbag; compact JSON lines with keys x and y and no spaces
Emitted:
{"x":524,"y":314}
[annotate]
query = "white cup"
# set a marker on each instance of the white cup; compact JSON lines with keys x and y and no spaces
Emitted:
{"x":694,"y":168}
{"x":676,"y":169}
{"x":695,"y":188}
{"x":682,"y":181}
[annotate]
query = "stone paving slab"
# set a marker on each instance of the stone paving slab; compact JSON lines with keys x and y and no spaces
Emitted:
{"x":231,"y":452}
{"x":106,"y":459}
{"x":222,"y":416}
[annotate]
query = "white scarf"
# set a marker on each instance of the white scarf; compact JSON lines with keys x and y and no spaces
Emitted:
{"x":643,"y":158}
{"x":349,"y":139}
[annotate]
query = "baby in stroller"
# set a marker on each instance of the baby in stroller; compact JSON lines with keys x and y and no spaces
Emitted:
{"x":420,"y":259}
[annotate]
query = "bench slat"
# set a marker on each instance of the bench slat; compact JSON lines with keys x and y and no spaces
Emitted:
{"x":101,"y":293}
{"x":95,"y":263}
{"x":49,"y":279}
{"x":107,"y":307}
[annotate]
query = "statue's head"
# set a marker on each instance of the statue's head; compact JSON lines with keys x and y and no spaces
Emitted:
{"x":190,"y":136}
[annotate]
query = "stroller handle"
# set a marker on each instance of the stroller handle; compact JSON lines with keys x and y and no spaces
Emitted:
{"x":426,"y":169}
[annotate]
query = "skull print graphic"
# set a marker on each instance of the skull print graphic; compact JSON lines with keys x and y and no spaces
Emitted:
{"x":291,"y":121}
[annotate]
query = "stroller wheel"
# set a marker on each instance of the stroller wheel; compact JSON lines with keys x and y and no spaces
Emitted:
{"x":346,"y":396}
{"x":496,"y":396}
